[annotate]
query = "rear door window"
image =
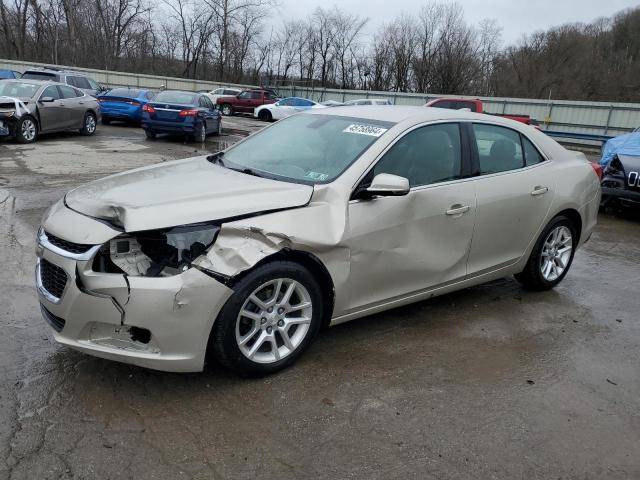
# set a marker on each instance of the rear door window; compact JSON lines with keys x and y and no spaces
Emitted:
{"x":80,"y":82}
{"x":499,"y":148}
{"x":70,"y":92}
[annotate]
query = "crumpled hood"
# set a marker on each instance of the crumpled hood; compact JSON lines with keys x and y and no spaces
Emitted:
{"x":182,"y":192}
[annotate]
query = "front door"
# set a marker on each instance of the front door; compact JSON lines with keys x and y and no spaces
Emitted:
{"x":404,"y":245}
{"x":514,"y":190}
{"x":51,"y":113}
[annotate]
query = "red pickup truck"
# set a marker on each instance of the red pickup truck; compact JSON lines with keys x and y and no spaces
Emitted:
{"x":246,"y":101}
{"x":475,"y":105}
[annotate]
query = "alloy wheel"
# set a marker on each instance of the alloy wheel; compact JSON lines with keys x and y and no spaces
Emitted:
{"x":90,"y":124}
{"x":28,"y":129}
{"x":556,"y":253}
{"x":274,"y":320}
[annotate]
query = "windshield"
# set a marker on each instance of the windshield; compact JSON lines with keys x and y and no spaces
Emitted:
{"x":18,"y":89}
{"x":185,"y":98}
{"x":307,"y":148}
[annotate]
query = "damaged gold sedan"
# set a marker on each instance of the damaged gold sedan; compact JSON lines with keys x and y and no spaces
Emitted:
{"x":321,"y":218}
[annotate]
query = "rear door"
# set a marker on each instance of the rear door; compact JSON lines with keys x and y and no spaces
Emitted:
{"x":515,"y":188}
{"x":52,"y":115}
{"x":74,"y":105}
{"x":243,"y":102}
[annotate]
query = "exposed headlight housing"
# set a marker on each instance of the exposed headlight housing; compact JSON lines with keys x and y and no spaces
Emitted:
{"x":157,"y":253}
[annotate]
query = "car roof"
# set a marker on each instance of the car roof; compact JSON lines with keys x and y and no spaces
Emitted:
{"x":398,"y":113}
{"x":55,"y":71}
{"x":34,"y":82}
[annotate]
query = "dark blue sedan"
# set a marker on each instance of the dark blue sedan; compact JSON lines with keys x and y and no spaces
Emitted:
{"x":187,"y":113}
{"x":124,"y":104}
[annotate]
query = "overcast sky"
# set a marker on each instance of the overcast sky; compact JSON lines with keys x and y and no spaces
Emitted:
{"x":515,"y":16}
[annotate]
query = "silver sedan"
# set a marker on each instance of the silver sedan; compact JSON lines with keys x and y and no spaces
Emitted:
{"x":324,"y":217}
{"x":31,"y":107}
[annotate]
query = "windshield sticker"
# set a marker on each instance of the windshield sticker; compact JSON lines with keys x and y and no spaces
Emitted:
{"x":316,"y":176}
{"x":370,"y":130}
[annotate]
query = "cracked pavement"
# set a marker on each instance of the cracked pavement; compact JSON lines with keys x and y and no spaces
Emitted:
{"x":490,"y":382}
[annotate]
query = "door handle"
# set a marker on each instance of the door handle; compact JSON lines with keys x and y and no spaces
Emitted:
{"x":458,"y":209}
{"x":539,"y":191}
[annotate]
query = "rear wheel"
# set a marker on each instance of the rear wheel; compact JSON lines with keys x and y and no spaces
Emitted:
{"x":151,"y":135}
{"x":272,"y":317}
{"x":227,"y":109}
{"x":551,"y":257}
{"x":219,"y":129}
{"x":265,"y":115}
{"x":89,"y":125}
{"x":201,"y":133}
{"x":27,"y":130}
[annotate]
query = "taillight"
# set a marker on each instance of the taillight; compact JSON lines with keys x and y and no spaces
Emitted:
{"x":148,"y":109}
{"x":190,"y":112}
{"x":598,"y":169}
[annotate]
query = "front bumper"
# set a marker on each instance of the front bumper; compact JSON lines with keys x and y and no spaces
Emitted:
{"x":161,"y":323}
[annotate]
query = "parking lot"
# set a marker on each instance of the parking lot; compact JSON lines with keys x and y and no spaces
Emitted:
{"x":489,"y":382}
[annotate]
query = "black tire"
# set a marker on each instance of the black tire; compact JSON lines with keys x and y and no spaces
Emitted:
{"x":201,"y":134}
{"x":265,"y":116}
{"x":27,"y":131}
{"x":151,"y":135}
{"x":106,"y":121}
{"x":226,"y":109}
{"x":218,"y":131}
{"x":89,"y":124}
{"x":532,"y":277}
{"x":222,"y":342}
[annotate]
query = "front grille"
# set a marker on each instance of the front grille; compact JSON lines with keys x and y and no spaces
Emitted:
{"x":66,"y":245}
{"x":53,"y":278}
{"x":56,"y":323}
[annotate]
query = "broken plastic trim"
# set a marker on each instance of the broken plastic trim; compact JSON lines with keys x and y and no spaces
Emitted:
{"x":83,"y":289}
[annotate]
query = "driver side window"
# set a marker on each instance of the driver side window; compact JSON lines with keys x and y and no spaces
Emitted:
{"x":424,"y":156}
{"x":52,"y":92}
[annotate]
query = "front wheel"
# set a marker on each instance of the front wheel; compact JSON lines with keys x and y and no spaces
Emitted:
{"x":151,"y":135}
{"x":269,"y":321}
{"x":551,"y":256}
{"x":227,"y":110}
{"x":27,"y":130}
{"x":89,"y":125}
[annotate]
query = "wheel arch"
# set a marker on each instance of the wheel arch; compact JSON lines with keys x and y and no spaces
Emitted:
{"x":575,"y":217}
{"x":316,"y":268}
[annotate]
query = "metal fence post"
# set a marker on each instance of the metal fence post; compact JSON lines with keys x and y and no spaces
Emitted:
{"x":606,"y":127}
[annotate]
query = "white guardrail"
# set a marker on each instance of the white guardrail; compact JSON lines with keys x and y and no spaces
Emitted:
{"x":579,"y":117}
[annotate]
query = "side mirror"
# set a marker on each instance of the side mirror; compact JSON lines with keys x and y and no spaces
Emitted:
{"x":46,"y":100}
{"x":385,"y":185}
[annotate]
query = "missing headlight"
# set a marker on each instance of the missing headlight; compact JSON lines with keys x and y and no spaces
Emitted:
{"x":165,"y":252}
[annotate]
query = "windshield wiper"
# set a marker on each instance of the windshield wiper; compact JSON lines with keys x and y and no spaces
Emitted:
{"x":249,"y":171}
{"x":216,"y":158}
